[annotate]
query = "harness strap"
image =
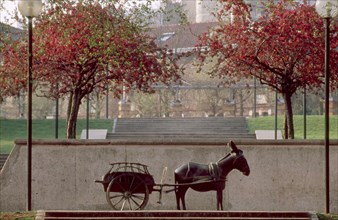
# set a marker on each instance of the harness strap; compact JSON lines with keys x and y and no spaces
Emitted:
{"x":214,"y":171}
{"x":188,"y":171}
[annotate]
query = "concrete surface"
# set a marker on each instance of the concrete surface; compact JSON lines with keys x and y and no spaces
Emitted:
{"x":173,"y":215}
{"x":268,"y":135}
{"x":94,"y":134}
{"x":286,"y":175}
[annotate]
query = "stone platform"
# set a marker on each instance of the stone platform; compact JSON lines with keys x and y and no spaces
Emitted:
{"x":174,"y":215}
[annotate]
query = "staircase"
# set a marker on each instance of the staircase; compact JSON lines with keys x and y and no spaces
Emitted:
{"x":3,"y":158}
{"x":181,"y":128}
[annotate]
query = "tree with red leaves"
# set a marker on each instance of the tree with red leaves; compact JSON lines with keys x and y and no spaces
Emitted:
{"x":284,"y":48}
{"x":84,"y":46}
{"x":12,"y":79}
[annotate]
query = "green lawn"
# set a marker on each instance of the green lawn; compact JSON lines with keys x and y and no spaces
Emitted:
{"x":45,"y":129}
{"x":42,"y":129}
{"x":17,"y":215}
{"x":315,"y":125}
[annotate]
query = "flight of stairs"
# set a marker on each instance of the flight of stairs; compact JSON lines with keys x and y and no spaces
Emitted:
{"x":3,"y":158}
{"x":181,"y":128}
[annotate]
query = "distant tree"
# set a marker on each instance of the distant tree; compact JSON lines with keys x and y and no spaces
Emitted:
{"x":314,"y":103}
{"x":85,"y":46}
{"x":283,"y":49}
{"x":13,"y":68}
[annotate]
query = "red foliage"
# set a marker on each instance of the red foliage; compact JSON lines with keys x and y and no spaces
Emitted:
{"x":80,"y":42}
{"x":283,"y":49}
{"x":286,"y":45}
{"x":13,"y":76}
{"x":86,"y":46}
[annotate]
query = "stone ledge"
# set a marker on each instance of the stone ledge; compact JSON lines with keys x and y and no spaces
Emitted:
{"x":173,"y":215}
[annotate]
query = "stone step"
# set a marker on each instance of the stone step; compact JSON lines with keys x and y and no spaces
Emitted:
{"x":176,"y":134}
{"x":183,"y":123}
{"x":178,"y":120}
{"x":178,"y":126}
{"x":188,"y":118}
{"x":202,"y":122}
{"x":3,"y":158}
{"x":181,"y":128}
{"x":181,"y":136}
{"x":174,"y":215}
{"x":179,"y":131}
{"x":186,"y":124}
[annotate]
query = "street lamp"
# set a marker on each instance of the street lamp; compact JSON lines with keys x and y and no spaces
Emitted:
{"x":29,"y":9}
{"x":327,"y":9}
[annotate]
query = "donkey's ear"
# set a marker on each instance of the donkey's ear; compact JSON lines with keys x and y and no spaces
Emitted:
{"x":233,"y":147}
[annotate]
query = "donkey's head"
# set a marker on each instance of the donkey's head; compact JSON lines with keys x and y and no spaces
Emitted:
{"x":240,"y":163}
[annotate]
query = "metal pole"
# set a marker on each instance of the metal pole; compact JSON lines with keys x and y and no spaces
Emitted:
{"x":57,"y":114}
{"x":276,"y":113}
{"x":87,"y":120}
{"x":327,"y":125}
{"x":107,"y":105}
{"x":304,"y":112}
{"x":255,"y":98}
{"x":107,"y":96}
{"x":29,"y":116}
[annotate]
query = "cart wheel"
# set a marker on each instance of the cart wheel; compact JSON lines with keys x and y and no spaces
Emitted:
{"x":127,"y":192}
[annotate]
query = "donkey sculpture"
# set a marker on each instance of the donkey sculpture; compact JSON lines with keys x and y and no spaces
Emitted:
{"x":207,"y":177}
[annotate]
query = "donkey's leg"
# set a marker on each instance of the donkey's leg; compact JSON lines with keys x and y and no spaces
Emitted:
{"x":178,"y":197}
{"x":184,"y":191}
{"x":219,"y":199}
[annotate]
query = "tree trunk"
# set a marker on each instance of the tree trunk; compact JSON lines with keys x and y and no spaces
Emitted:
{"x":286,"y":130}
{"x":289,"y":132}
{"x":72,"y":117}
{"x":69,"y":106}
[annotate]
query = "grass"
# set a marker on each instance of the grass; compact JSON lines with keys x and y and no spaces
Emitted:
{"x":314,"y":125}
{"x":327,"y":216}
{"x":17,"y":215}
{"x":44,"y":128}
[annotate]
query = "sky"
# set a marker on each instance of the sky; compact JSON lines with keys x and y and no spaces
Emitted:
{"x":7,"y":11}
{"x":10,"y":7}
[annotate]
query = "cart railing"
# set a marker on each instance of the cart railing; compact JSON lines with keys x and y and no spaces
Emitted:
{"x":129,"y":167}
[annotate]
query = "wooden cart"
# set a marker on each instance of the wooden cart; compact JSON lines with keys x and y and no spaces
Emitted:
{"x":128,"y":185}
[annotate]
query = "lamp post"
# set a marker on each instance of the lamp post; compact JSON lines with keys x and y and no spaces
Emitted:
{"x":57,"y":114}
{"x":29,"y":9}
{"x":327,"y":9}
{"x":304,"y":113}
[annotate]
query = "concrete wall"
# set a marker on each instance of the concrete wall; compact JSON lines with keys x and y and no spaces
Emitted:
{"x":285,"y":175}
